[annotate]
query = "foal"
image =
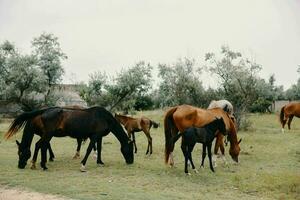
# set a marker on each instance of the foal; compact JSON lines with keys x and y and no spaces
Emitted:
{"x":204,"y":135}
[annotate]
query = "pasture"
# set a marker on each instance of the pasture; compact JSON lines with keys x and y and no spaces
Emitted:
{"x":269,"y":167}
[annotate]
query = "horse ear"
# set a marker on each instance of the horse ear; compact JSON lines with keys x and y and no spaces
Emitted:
{"x":240,"y":141}
{"x":18,"y":143}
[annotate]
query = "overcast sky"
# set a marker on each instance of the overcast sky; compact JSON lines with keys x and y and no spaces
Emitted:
{"x":107,"y":35}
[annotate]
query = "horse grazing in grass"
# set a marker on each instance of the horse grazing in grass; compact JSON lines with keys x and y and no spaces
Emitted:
{"x":224,"y":104}
{"x":36,"y":125}
{"x":93,"y":123}
{"x":204,"y":135}
{"x":227,"y":107}
{"x":133,"y":125}
{"x":287,"y":113}
{"x":179,"y":118}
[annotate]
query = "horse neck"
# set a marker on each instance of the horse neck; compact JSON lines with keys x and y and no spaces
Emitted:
{"x":212,"y":126}
{"x":116,"y":128}
{"x":232,"y":134}
{"x":118,"y":131}
{"x":27,"y":136}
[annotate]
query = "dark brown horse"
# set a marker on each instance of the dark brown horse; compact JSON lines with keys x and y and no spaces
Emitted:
{"x":288,"y":112}
{"x":133,"y":125}
{"x":204,"y":135}
{"x":178,"y":118}
{"x":93,"y":123}
{"x":37,"y":127}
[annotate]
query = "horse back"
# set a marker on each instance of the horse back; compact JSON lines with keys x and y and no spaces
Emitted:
{"x":292,"y":109}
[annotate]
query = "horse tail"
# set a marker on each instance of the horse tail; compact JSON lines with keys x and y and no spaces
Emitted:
{"x":20,"y":121}
{"x":155,"y":125}
{"x":281,"y":116}
{"x":169,"y":132}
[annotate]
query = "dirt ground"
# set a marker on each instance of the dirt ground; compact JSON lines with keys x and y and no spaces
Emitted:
{"x":16,"y":194}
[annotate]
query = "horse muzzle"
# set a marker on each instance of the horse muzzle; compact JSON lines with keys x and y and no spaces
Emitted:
{"x":21,"y":165}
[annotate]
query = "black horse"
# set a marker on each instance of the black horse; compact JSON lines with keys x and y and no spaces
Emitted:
{"x":92,"y":123}
{"x":204,"y":135}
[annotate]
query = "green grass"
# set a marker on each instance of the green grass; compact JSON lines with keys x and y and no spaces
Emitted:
{"x":269,"y":168}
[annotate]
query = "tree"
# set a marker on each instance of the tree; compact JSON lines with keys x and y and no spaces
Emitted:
{"x":21,"y":79}
{"x":180,"y":84}
{"x":237,"y":76}
{"x":293,"y":93}
{"x":49,"y":57}
{"x":95,"y":93}
{"x":121,"y":91}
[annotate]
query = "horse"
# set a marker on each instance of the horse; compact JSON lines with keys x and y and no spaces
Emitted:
{"x":37,"y":127}
{"x":178,"y":118}
{"x":224,"y":104}
{"x":204,"y":135}
{"x":133,"y":125}
{"x":227,"y":107}
{"x":287,"y":113}
{"x":93,"y":123}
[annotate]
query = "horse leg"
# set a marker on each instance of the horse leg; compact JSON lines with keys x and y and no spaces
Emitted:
{"x":51,"y":154}
{"x":190,"y":150}
{"x":184,"y":151}
{"x":203,"y":155}
{"x":149,"y":138}
{"x":44,"y":146}
{"x":289,"y":121}
{"x":99,"y":147}
{"x":209,"y":156}
{"x":77,"y":153}
{"x":35,"y":154}
{"x":133,"y":139}
{"x":283,"y":123}
{"x":218,"y":144}
{"x":93,"y":140}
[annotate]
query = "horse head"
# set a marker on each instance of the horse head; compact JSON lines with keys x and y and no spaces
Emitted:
{"x":234,"y":151}
{"x":24,"y":155}
{"x":127,"y":151}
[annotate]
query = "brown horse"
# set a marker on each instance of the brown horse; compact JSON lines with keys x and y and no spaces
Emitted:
{"x":37,"y":127}
{"x":288,"y":112}
{"x":93,"y":123}
{"x":178,"y":118}
{"x":133,"y":125}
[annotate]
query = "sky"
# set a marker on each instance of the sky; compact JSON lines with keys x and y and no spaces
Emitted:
{"x":108,"y":35}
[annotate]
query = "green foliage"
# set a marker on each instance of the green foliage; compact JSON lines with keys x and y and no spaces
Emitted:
{"x":47,"y":50}
{"x":143,"y":102}
{"x":180,"y":84}
{"x":28,"y":79}
{"x":293,"y":93}
{"x":119,"y":92}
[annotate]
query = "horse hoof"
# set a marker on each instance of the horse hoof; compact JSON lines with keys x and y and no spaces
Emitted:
{"x":94,"y":157}
{"x":33,"y":167}
{"x":45,"y":168}
{"x":101,"y":164}
{"x":188,"y":174}
{"x":196,"y":171}
{"x":82,"y":168}
{"x":51,"y":159}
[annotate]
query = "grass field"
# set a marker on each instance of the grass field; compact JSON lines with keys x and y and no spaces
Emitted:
{"x":269,"y":168}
